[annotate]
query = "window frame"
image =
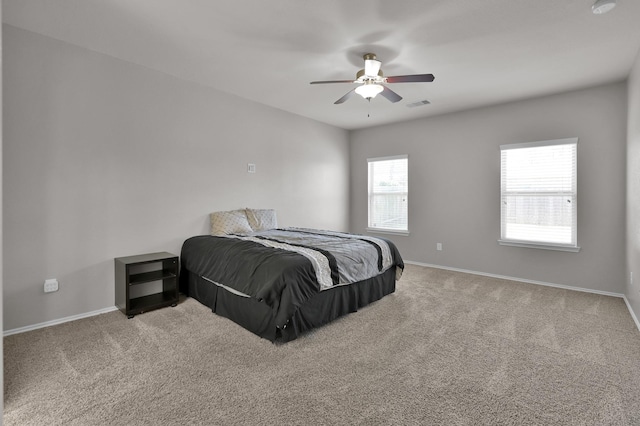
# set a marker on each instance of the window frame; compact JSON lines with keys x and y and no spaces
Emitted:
{"x":369,"y":196}
{"x":573,"y":193}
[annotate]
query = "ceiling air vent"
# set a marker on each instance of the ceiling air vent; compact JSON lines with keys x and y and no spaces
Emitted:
{"x":419,"y":103}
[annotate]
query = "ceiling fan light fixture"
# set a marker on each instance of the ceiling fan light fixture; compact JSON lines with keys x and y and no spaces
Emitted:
{"x":603,"y":6}
{"x":369,"y":90}
{"x":370,"y":81}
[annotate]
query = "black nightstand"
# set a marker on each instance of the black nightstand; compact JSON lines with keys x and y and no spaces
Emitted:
{"x":137,"y":282}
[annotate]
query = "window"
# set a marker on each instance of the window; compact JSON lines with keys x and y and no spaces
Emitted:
{"x":388,"y":194}
{"x":538,"y":194}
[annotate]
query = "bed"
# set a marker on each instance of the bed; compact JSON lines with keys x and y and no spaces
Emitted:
{"x":281,"y":282}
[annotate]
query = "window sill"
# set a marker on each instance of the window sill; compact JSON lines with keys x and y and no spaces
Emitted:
{"x":387,"y":231}
{"x":557,"y":247}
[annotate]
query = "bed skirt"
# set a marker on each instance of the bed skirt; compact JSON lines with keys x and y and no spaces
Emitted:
{"x":258,"y":318}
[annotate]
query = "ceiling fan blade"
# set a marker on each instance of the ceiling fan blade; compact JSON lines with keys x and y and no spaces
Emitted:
{"x":390,"y":95}
{"x":345,"y":97}
{"x":331,"y":81}
{"x":416,"y":78}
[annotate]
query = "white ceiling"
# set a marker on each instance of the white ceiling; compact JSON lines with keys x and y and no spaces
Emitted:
{"x":480,"y":51}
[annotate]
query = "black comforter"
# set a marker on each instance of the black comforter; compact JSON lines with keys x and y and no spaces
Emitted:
{"x":264,"y":267}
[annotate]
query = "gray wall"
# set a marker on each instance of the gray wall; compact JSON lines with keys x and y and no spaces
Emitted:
{"x":454,"y":185}
{"x":1,"y":257}
{"x":104,"y":158}
{"x":632,"y":291}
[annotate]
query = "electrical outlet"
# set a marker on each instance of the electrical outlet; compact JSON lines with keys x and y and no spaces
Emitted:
{"x":50,"y":285}
{"x":439,"y":246}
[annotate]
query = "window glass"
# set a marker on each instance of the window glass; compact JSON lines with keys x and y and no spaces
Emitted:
{"x":538,"y":192}
{"x":388,"y":193}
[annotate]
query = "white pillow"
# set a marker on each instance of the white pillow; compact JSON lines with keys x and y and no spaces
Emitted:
{"x":262,"y":219}
{"x":230,"y":222}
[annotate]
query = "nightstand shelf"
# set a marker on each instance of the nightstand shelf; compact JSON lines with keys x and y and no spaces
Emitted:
{"x":146,"y":282}
{"x":146,"y":277}
{"x":151,"y":301}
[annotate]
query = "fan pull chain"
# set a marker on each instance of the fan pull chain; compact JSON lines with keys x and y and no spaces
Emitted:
{"x":369,"y":108}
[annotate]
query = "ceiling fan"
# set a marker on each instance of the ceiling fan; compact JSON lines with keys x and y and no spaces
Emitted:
{"x":371,"y":79}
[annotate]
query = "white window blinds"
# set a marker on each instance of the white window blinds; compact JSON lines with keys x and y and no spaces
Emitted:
{"x":538,"y":193}
{"x":388,"y":193}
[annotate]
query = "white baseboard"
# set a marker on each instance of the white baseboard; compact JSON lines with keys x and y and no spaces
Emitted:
{"x":523,"y":280}
{"x":466,"y":271}
{"x":58,"y":321}
{"x":633,"y":314}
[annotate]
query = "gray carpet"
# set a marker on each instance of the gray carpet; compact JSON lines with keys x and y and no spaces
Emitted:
{"x":447,"y":348}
